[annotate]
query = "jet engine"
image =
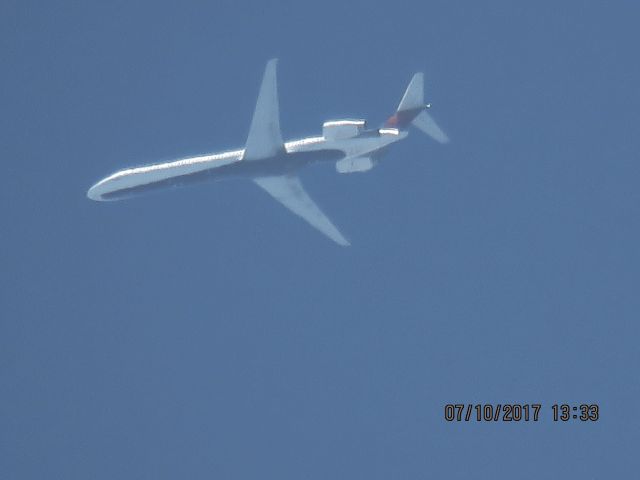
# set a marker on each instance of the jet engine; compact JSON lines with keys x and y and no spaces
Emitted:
{"x":340,"y":129}
{"x":353,"y":165}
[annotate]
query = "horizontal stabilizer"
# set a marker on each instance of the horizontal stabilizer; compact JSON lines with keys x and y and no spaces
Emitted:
{"x":289,"y":191}
{"x":265,"y":139}
{"x":428,"y":125}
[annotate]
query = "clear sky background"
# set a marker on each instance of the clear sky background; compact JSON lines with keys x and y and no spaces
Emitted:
{"x":208,"y":333}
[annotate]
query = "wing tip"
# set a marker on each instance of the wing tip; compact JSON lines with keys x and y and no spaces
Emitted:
{"x":343,"y":242}
{"x":337,"y":236}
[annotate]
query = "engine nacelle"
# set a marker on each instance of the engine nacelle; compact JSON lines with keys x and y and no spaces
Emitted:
{"x":353,"y":165}
{"x":340,"y":129}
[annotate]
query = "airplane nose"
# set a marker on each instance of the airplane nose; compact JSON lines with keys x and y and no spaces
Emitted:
{"x":94,"y":193}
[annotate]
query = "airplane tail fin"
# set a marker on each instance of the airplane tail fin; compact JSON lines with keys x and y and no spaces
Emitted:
{"x":412,"y":111}
{"x":265,"y":139}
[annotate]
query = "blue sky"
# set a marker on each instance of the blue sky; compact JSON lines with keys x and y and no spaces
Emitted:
{"x":208,"y":333}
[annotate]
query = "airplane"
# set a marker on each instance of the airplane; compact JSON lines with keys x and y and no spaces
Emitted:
{"x":273,"y":164}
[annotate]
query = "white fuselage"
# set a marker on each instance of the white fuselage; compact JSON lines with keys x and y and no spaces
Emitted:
{"x":298,"y":153}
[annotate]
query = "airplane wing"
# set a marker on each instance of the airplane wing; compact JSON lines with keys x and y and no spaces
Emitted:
{"x":289,"y":191}
{"x":265,"y":139}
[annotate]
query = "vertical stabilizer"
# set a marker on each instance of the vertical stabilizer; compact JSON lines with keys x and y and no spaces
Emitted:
{"x":265,"y":139}
{"x":414,"y":94}
{"x":412,"y":111}
{"x":411,"y":105}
